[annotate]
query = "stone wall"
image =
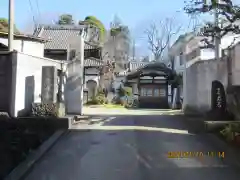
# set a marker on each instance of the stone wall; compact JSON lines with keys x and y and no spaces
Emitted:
{"x":199,"y":78}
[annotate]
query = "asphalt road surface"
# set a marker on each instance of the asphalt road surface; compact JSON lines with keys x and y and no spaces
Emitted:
{"x":137,"y":147}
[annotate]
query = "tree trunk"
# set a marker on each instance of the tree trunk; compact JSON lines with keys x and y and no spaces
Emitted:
{"x":101,"y":79}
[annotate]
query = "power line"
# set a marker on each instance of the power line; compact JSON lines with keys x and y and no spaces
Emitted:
{"x":31,"y":7}
{"x":10,"y":24}
{"x":38,"y":9}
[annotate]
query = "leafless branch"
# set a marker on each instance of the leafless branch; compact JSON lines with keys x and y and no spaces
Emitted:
{"x":159,"y":36}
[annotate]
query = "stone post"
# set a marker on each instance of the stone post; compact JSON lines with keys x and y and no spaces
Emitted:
{"x":74,"y":84}
{"x":49,"y":84}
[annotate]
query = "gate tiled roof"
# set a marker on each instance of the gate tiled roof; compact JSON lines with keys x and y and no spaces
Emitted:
{"x":136,"y":65}
{"x":151,"y":66}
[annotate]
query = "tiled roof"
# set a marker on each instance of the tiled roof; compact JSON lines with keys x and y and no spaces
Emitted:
{"x":136,"y":65}
{"x":60,"y":36}
{"x":23,"y":37}
{"x":92,"y":62}
{"x":152,"y":66}
{"x":89,"y":62}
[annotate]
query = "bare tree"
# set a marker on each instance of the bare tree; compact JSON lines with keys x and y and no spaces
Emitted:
{"x":159,"y":36}
{"x":145,"y":59}
{"x":115,"y":52}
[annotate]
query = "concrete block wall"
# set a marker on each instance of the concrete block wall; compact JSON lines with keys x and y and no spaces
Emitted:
{"x":199,"y":78}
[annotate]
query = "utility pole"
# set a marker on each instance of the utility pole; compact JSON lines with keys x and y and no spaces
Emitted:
{"x":10,"y":24}
{"x":217,"y":37}
{"x":133,"y":50}
{"x":81,"y":57}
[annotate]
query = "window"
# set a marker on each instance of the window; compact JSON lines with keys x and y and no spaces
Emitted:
{"x":149,"y":92}
{"x":162,"y":92}
{"x":143,"y":92}
{"x":156,"y":93}
{"x":146,"y":92}
{"x":145,"y":80}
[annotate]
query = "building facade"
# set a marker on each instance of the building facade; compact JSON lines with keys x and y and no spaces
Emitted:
{"x":150,"y":84}
{"x":63,"y":45}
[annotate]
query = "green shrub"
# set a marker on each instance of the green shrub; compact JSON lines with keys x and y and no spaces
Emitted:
{"x":128,"y":91}
{"x":133,"y":104}
{"x":115,"y":31}
{"x":178,"y":80}
{"x":124,"y":91}
{"x":124,"y":30}
{"x":106,"y":101}
{"x":4,"y":26}
{"x":230,"y":131}
{"x":45,"y":110}
{"x":97,"y":23}
{"x":121,"y":92}
{"x":93,"y":102}
{"x":98,"y":99}
{"x":116,"y":100}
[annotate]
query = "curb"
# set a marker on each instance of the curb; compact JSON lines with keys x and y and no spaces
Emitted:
{"x":79,"y":121}
{"x":23,"y":168}
{"x":91,"y":122}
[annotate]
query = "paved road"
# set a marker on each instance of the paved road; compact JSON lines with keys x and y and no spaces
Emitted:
{"x":135,"y":147}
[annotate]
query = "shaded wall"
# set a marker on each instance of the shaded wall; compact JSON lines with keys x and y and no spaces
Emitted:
{"x":199,"y":78}
{"x":7,"y":82}
{"x":29,"y":79}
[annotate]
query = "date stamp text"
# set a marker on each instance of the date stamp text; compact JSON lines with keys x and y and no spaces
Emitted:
{"x":195,"y":154}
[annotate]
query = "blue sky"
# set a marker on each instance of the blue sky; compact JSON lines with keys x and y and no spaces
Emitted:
{"x":134,"y":13}
{"x":130,"y":11}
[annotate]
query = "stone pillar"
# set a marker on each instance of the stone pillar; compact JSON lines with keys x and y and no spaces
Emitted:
{"x":29,"y":92}
{"x":74,"y":83}
{"x":49,"y":84}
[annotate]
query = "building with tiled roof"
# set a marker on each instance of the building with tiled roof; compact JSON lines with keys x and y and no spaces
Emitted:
{"x":62,"y":43}
{"x":62,"y":38}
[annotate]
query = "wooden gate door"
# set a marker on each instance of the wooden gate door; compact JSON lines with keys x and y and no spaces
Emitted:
{"x":153,"y":96}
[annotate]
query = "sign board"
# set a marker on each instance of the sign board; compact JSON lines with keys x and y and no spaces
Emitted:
{"x":218,"y":97}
